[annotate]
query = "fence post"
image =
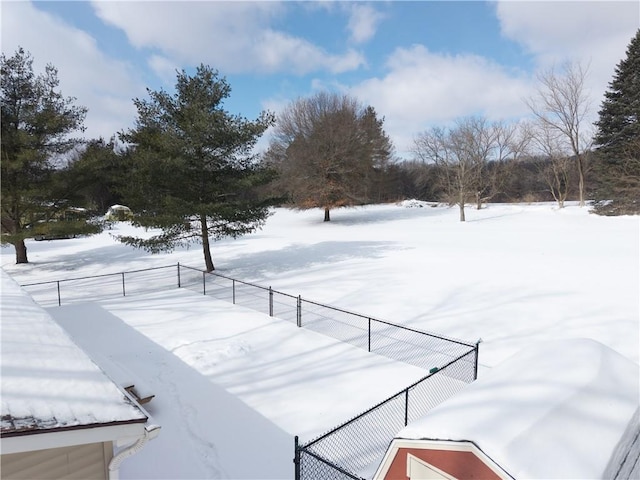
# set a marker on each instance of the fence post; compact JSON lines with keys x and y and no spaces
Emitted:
{"x":270,"y":302}
{"x":299,"y":312}
{"x":475,"y":366}
{"x":406,"y":407}
{"x":233,"y":290}
{"x":124,"y":293}
{"x":369,"y":335}
{"x":58,"y":282}
{"x":296,"y":460}
{"x":179,"y":285}
{"x":204,"y":284}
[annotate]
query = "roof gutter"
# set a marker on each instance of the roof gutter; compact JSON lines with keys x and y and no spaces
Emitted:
{"x":150,"y":432}
{"x":44,"y":439}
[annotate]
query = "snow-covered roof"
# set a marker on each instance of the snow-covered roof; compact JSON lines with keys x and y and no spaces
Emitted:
{"x":48,"y":383}
{"x":559,"y":409}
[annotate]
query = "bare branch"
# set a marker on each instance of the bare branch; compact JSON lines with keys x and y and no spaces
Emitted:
{"x":562,"y":104}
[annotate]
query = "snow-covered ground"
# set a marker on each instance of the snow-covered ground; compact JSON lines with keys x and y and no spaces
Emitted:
{"x":276,"y":380}
{"x":511,"y":275}
{"x":571,"y":402}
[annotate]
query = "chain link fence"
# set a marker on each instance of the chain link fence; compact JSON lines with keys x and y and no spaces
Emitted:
{"x":110,"y":285}
{"x":422,"y":349}
{"x":353,"y":449}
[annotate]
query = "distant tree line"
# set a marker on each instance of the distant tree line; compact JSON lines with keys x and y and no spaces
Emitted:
{"x":188,"y":169}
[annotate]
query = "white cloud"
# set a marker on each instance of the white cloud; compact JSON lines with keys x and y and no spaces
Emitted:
{"x":419,"y":88}
{"x":235,"y":37}
{"x":423,"y":89}
{"x":104,"y":85}
{"x":277,"y":52}
{"x":363,"y":22}
{"x":557,"y":31}
{"x":594,"y":33}
{"x":164,"y":68}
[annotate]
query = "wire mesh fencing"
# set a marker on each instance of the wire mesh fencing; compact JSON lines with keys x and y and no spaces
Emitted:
{"x":422,"y":349}
{"x":110,"y":285}
{"x":249,"y":295}
{"x":353,"y":449}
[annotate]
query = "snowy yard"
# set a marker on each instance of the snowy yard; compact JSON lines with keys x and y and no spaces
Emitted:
{"x":276,"y":380}
{"x":511,"y":275}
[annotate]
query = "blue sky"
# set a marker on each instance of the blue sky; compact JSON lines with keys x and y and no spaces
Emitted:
{"x":420,"y":64}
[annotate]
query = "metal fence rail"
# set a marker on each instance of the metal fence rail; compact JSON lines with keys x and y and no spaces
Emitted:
{"x":355,"y":448}
{"x":351,"y":450}
{"x":422,"y":349}
{"x":108,"y":285}
{"x":249,"y":295}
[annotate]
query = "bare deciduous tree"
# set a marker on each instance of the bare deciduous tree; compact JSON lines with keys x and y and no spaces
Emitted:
{"x":510,"y":142}
{"x":456,"y":174}
{"x":553,"y":164}
{"x":562,"y":105}
{"x":327,"y":149}
{"x":470,"y":158}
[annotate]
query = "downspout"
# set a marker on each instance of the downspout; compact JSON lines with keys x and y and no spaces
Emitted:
{"x":150,"y":432}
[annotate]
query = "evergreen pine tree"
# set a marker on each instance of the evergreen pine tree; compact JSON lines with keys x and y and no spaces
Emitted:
{"x":36,"y":126}
{"x":618,"y":138}
{"x":96,"y":174}
{"x":192,"y":173}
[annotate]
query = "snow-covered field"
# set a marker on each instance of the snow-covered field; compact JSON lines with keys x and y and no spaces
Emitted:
{"x":511,"y":275}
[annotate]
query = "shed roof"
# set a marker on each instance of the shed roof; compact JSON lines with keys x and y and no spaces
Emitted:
{"x":48,"y":383}
{"x":559,"y":409}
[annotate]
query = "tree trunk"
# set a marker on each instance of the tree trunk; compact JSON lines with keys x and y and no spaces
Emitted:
{"x":581,"y":180}
{"x":21,"y":252}
{"x":327,"y":218}
{"x":478,"y":201}
{"x":461,"y":205}
{"x":205,"y":244}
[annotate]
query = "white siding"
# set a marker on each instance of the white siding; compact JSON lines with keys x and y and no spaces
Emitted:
{"x":78,"y":462}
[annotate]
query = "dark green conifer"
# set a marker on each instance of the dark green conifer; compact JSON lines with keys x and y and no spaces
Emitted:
{"x":193,"y":174}
{"x":618,"y":138}
{"x":36,"y":126}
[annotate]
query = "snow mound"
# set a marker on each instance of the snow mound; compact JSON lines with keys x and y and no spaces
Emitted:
{"x":413,"y":203}
{"x":570,"y":402}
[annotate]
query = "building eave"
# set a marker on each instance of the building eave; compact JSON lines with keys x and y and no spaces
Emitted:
{"x":118,"y":432}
